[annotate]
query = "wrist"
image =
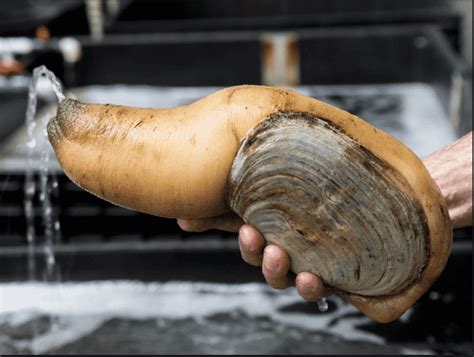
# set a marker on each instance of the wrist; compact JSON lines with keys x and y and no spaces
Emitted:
{"x":451,"y":169}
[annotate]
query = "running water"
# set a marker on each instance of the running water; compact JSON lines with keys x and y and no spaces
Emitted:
{"x":47,"y":183}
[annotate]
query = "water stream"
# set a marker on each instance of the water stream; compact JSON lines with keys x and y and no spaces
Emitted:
{"x":42,"y":183}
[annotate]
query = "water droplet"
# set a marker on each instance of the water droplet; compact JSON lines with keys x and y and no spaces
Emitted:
{"x":30,"y":188}
{"x":322,"y":304}
{"x":28,"y":209}
{"x":30,"y":235}
{"x":31,"y":143}
{"x":448,"y":298}
{"x":50,"y":259}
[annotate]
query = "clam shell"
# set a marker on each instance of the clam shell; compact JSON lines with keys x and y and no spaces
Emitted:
{"x":337,"y":210}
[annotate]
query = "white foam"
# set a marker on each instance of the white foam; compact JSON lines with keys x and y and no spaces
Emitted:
{"x":82,"y":307}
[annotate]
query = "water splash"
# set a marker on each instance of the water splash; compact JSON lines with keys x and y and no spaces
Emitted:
{"x":46,"y":184}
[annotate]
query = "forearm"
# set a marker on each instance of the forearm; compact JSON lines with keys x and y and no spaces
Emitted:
{"x":451,"y":168}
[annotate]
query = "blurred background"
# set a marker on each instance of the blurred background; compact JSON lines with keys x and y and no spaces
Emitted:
{"x":110,"y":280}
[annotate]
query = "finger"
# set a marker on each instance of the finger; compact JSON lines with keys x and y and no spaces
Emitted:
{"x":192,"y":225}
{"x":310,"y":287}
{"x":275,"y":267}
{"x":251,"y":245}
{"x":227,"y":222}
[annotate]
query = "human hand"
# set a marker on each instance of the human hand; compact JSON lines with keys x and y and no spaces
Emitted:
{"x":451,"y":168}
{"x":274,"y":261}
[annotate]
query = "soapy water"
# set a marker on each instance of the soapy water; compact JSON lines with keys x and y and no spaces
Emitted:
{"x":182,"y":317}
{"x":45,"y":185}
